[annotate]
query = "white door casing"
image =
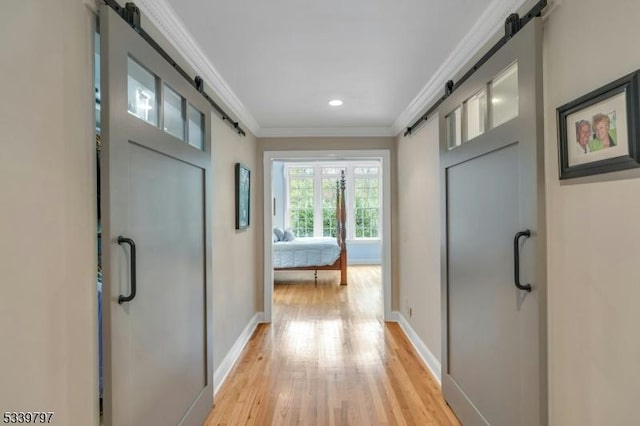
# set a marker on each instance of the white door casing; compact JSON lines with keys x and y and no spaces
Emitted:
{"x":329,"y":155}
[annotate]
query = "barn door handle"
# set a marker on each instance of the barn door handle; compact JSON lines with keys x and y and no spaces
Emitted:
{"x":132,"y":244}
{"x":516,"y":260}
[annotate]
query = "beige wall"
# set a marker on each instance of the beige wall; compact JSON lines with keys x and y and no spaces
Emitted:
{"x":47,"y":221}
{"x":419,"y":233}
{"x":235,"y":294}
{"x":594,"y":240}
{"x":337,"y":144}
{"x":235,"y":297}
{"x":237,"y":271}
{"x":48,"y":309}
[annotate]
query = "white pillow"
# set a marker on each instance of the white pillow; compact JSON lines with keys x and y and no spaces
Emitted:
{"x":288,"y":235}
{"x":279,"y":233}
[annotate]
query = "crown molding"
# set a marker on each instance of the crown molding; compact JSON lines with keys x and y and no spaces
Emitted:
{"x":488,"y":23}
{"x":551,"y":7}
{"x":162,"y":15}
{"x":294,"y":132}
{"x":92,"y":5}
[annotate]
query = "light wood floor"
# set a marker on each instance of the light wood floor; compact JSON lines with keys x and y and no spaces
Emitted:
{"x":329,"y":359}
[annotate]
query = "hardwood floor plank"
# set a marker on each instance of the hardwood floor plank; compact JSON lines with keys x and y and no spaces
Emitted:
{"x":328,"y":358}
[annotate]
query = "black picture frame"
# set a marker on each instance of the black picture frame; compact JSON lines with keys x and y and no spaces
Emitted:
{"x":243,"y":196}
{"x":612,"y":113}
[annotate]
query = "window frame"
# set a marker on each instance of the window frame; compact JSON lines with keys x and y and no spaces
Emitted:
{"x":287,"y":175}
{"x":349,"y":167}
{"x":351,"y":226}
{"x":489,"y":113}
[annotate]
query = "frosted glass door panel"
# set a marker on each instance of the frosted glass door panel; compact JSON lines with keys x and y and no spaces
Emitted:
{"x":173,"y":117}
{"x":454,"y":128}
{"x":196,"y":126}
{"x":476,"y":115}
{"x":141,"y":93}
{"x":504,"y":96}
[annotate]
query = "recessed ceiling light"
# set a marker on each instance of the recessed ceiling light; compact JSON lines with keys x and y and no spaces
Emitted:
{"x":335,"y":102}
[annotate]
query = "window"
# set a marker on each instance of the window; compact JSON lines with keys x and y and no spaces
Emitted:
{"x":173,"y":119}
{"x":454,"y":128}
{"x":311,"y":199}
{"x":301,"y":214}
{"x":367,"y":202}
{"x":470,"y":119}
{"x":178,"y":117}
{"x":141,"y":88}
{"x":329,"y":219}
{"x":330,"y":176}
{"x":196,"y":127}
{"x":504,"y":96}
{"x":475,"y":110}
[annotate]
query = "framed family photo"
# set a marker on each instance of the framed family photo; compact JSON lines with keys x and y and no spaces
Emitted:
{"x":599,"y":132}
{"x":243,"y":194}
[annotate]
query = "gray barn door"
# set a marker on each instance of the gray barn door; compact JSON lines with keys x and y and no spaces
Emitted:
{"x":494,"y":367}
{"x":155,"y":195}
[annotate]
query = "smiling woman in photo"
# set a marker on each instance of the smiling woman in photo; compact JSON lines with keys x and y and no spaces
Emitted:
{"x":604,"y":139}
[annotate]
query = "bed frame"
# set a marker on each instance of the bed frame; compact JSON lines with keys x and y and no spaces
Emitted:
{"x":341,"y":234}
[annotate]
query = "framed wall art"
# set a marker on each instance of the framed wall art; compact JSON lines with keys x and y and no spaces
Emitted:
{"x":599,"y":132}
{"x":243,"y":196}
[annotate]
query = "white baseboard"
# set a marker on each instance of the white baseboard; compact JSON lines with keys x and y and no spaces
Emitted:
{"x":220,"y":375}
{"x":364,"y":262}
{"x":428,"y":358}
{"x":394,"y":316}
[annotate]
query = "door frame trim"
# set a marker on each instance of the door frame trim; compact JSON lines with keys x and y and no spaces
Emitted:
{"x":327,"y":155}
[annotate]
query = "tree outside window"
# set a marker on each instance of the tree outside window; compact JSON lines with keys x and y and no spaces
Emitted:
{"x":367,"y":207}
{"x":329,"y":219}
{"x":312,"y":199}
{"x":301,"y":206}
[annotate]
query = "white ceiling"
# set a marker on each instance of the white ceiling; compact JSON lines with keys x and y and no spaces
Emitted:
{"x":279,"y":62}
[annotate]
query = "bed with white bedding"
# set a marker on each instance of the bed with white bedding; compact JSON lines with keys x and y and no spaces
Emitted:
{"x":305,"y":251}
{"x":317,"y":254}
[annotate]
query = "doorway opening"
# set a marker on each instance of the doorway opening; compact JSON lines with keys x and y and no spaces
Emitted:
{"x":366,"y":225}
